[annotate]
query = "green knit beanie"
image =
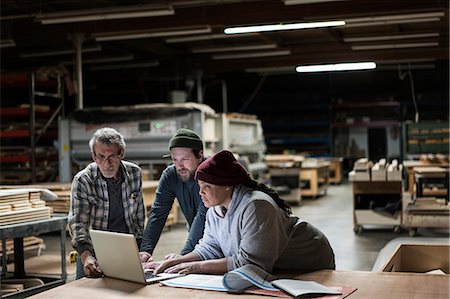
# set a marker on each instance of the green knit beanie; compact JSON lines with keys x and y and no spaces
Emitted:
{"x":186,"y":138}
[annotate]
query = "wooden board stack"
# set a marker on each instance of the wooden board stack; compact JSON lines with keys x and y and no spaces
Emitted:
{"x":20,"y":205}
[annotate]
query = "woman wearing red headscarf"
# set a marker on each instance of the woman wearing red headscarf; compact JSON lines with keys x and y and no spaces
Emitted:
{"x":247,"y":223}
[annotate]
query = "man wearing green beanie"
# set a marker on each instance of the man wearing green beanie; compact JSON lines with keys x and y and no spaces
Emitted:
{"x":177,"y":181}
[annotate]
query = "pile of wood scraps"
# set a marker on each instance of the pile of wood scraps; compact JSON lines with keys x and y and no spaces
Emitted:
{"x":22,"y":205}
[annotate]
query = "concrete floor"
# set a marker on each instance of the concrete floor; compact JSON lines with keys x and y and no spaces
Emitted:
{"x":331,"y":213}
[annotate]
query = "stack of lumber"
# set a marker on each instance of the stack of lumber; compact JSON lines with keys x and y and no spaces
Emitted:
{"x":22,"y":205}
{"x":62,"y":204}
{"x":61,"y":191}
{"x":29,"y":243}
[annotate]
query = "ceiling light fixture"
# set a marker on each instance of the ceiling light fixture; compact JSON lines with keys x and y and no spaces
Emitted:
{"x":392,"y":22}
{"x":295,"y":2}
{"x":154,"y":33}
{"x":7,"y":43}
{"x":389,"y":37}
{"x":251,"y":55}
{"x":140,"y":11}
{"x":411,"y":16}
{"x":124,"y":66}
{"x":279,"y":27}
{"x":194,"y":38}
{"x":104,"y":59}
{"x":336,"y":67}
{"x":233,"y":48}
{"x":95,"y":48}
{"x":394,"y":46}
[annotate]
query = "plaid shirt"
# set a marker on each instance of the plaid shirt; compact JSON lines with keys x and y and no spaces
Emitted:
{"x":89,"y":204}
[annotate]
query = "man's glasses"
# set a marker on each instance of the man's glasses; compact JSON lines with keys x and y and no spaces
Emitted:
{"x":111,"y":158}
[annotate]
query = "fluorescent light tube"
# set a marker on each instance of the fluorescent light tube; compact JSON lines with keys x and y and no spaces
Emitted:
{"x":106,"y":14}
{"x":251,"y":55}
{"x":104,"y":59}
{"x":392,"y":22}
{"x":148,"y":34}
{"x":61,"y":52}
{"x":194,"y":38}
{"x":411,"y":16}
{"x":295,"y":2}
{"x":336,"y":67}
{"x":124,"y":66}
{"x":233,"y":48}
{"x":7,"y":43}
{"x":278,"y":27}
{"x":388,"y":37}
{"x":395,"y":46}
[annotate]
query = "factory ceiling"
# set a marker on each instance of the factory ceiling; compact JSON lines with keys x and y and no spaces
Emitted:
{"x":173,"y":41}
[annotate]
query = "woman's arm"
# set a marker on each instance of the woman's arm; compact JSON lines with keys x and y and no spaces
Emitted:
{"x":216,"y":266}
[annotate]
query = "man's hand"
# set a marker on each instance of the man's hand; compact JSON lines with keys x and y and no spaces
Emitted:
{"x":91,"y":267}
{"x":145,"y":257}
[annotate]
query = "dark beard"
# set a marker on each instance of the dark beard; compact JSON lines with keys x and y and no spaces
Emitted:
{"x":184,"y":178}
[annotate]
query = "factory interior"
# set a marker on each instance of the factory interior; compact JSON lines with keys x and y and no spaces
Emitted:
{"x":340,"y":106}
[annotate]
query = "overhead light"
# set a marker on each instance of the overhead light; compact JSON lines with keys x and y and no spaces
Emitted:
{"x":424,"y":17}
{"x":194,"y":38}
{"x":278,"y":27}
{"x":139,"y":11}
{"x":251,"y":55}
{"x":392,"y":22}
{"x":124,"y":66}
{"x":410,"y":16}
{"x":273,"y":70}
{"x":95,"y":48}
{"x":336,"y":67}
{"x":295,"y":2}
{"x":395,"y":46}
{"x":233,"y":48}
{"x":104,"y":59}
{"x":7,"y":43}
{"x":389,"y":37}
{"x":152,"y":33}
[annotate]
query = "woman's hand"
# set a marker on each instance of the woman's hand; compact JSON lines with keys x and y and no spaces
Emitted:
{"x":185,"y":268}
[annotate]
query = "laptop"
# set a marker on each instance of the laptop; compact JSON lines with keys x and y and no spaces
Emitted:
{"x":118,"y":256}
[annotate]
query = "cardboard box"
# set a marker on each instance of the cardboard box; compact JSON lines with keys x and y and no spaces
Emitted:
{"x":417,"y":258}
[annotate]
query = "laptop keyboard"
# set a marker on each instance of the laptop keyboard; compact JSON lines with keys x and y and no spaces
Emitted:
{"x":150,"y":274}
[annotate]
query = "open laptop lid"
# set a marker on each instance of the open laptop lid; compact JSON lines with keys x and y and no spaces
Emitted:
{"x":118,"y":256}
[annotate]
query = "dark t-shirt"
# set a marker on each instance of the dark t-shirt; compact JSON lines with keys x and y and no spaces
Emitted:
{"x":116,"y":219}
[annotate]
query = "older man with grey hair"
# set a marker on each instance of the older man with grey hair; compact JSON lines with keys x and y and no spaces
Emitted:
{"x":106,"y":195}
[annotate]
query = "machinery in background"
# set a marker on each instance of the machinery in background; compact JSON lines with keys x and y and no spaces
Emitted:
{"x":148,"y":128}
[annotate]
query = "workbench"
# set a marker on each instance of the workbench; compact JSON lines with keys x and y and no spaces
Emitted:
{"x":148,"y":194}
{"x":33,"y":228}
{"x":369,"y":285}
{"x":409,"y":167}
{"x":335,"y":170}
{"x":314,"y":178}
{"x":376,"y":194}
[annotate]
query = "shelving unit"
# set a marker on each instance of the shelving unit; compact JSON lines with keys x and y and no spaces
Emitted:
{"x":371,"y":202}
{"x":351,"y":123}
{"x":301,"y":128}
{"x":28,"y":128}
{"x":425,"y":138}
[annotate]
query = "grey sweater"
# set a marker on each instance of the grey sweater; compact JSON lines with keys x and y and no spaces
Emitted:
{"x":255,"y":230}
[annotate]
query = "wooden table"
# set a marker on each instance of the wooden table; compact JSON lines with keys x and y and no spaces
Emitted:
{"x":370,"y":285}
{"x":315,"y":178}
{"x":411,"y":164}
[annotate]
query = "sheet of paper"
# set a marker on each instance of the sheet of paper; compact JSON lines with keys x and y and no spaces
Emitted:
{"x":197,"y":281}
